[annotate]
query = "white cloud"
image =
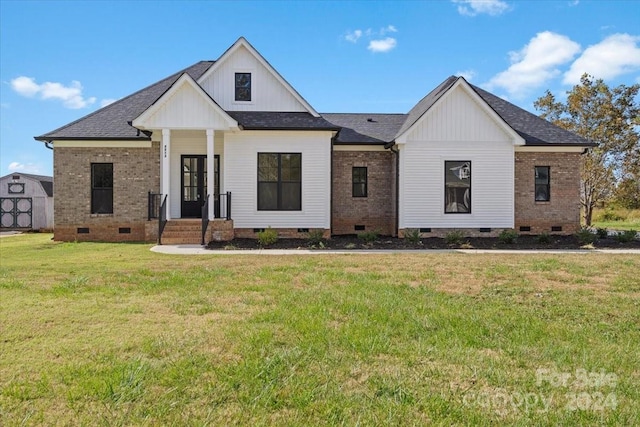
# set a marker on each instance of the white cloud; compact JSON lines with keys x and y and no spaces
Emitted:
{"x":535,"y":64}
{"x":476,"y":7}
{"x":25,"y":86}
{"x":384,"y":45}
{"x":21,"y":167}
{"x":615,"y":55}
{"x":377,"y":40}
{"x":353,"y":36}
{"x":388,"y":29}
{"x":467,"y":74}
{"x":107,"y":101}
{"x":71,"y":96}
{"x":574,"y":2}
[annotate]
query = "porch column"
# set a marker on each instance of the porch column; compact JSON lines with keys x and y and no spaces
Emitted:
{"x":166,"y":170}
{"x":210,"y":173}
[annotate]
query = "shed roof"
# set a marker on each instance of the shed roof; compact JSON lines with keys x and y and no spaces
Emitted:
{"x":45,"y":181}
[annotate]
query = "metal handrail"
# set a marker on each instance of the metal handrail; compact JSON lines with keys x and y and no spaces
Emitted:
{"x":162,"y":219}
{"x":205,"y":217}
{"x":153,"y":205}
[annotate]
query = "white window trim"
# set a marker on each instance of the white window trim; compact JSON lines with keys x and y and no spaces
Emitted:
{"x":253,"y":81}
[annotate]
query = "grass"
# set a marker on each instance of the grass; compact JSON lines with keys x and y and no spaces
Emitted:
{"x":614,"y":218}
{"x":114,"y":334}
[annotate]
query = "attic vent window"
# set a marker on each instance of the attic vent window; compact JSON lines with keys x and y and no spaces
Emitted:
{"x":243,"y":86}
{"x":370,"y":120}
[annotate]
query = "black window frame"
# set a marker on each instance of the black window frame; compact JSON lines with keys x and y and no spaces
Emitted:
{"x":280,"y":183}
{"x":238,"y":89}
{"x":15,"y":188}
{"x":101,"y":195}
{"x":546,"y":186}
{"x":359,"y":184}
{"x":446,"y":168}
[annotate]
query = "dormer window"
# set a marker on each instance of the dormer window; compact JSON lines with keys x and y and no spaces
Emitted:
{"x":243,"y":86}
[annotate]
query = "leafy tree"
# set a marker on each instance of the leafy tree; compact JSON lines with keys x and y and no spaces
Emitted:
{"x":610,"y":118}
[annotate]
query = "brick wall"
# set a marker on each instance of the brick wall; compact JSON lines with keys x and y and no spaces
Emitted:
{"x":136,"y":171}
{"x":563,"y":208}
{"x":376,"y":212}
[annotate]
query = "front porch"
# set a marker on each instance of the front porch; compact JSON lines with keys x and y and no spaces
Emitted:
{"x":199,"y":230}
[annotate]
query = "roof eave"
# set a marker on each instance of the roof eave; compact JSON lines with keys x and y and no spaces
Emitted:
{"x":91,"y":138}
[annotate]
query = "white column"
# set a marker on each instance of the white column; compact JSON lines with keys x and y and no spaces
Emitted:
{"x":210,"y":172}
{"x":166,"y":170}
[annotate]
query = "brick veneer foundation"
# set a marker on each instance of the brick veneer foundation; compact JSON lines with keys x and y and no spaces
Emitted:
{"x":563,"y":208}
{"x":376,"y":212}
{"x":136,"y":171}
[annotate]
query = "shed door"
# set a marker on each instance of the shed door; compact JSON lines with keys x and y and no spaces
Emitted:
{"x":16,"y":212}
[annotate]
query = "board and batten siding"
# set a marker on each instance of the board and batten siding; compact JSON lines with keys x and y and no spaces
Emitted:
{"x":241,"y":177}
{"x":456,"y":129}
{"x":186,"y":109}
{"x":42,"y":204}
{"x":267,"y":93}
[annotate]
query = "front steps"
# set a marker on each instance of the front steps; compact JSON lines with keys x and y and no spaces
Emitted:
{"x":182,"y":232}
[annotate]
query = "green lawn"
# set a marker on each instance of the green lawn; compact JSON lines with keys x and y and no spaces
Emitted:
{"x":113,"y":334}
{"x":617,"y":219}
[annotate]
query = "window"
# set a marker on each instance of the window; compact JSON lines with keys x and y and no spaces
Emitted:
{"x":543,"y":188}
{"x":101,"y":188}
{"x":243,"y":86}
{"x":16,"y":188}
{"x":457,"y":186}
{"x":279,"y":181}
{"x":359,"y":181}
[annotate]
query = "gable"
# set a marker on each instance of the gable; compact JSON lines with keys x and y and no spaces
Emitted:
{"x":184,"y":106}
{"x":460,"y":115}
{"x":270,"y":92}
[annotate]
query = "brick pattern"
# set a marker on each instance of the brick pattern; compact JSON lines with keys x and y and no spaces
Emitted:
{"x":563,"y":208}
{"x":136,"y":171}
{"x":376,"y":212}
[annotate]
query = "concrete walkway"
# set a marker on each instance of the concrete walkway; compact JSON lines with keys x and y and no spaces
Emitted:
{"x":200,"y":250}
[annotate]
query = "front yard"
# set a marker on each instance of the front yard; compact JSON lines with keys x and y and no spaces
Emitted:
{"x":114,"y":334}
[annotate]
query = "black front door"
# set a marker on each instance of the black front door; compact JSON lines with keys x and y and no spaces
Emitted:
{"x":194,"y":185}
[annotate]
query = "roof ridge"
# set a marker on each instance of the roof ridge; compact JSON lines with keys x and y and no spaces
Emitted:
{"x":174,"y":75}
{"x":421,"y":109}
{"x":31,"y":175}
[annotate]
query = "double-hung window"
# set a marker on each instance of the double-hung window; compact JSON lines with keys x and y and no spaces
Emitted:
{"x":243,"y":86}
{"x":543,"y":183}
{"x":359,"y":181}
{"x":457,"y":186}
{"x":279,"y":181}
{"x":101,"y":188}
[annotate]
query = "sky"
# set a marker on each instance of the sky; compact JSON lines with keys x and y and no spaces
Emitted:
{"x":60,"y":61}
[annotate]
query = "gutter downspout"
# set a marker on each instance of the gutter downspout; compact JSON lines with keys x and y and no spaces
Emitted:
{"x":46,"y":144}
{"x":397,"y":209}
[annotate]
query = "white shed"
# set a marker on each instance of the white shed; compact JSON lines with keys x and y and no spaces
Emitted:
{"x":26,"y":202}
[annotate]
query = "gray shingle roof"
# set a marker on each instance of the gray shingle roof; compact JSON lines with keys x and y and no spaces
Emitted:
{"x":111,"y":122}
{"x":365,"y":128}
{"x":272,"y":120}
{"x":534,"y":130}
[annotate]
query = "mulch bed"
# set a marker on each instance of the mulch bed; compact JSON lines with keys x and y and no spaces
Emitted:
{"x":355,"y":243}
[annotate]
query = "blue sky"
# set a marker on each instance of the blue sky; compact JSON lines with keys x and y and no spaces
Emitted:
{"x":62,"y":60}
